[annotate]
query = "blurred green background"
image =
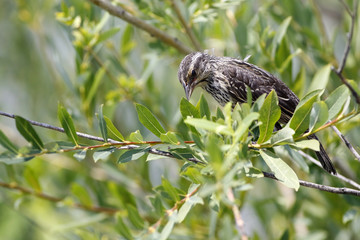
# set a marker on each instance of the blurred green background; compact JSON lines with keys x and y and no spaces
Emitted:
{"x":51,"y":51}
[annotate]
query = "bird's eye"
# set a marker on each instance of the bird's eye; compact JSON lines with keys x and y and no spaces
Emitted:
{"x":193,"y":73}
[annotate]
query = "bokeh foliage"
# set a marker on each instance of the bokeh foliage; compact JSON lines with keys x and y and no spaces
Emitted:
{"x":74,"y":53}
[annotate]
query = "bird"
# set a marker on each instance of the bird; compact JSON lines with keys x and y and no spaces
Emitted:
{"x":226,"y":78}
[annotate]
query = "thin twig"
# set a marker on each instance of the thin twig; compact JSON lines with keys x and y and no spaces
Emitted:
{"x":239,"y":222}
{"x":346,"y":191}
{"x":341,"y":67}
{"x":188,"y":30}
{"x":347,"y":143}
{"x":111,"y":142}
{"x":338,"y":175}
{"x":153,"y":31}
{"x":57,"y":199}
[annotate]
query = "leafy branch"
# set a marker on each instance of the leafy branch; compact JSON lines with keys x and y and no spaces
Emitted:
{"x":153,"y":31}
{"x":50,"y":198}
{"x":339,"y":70}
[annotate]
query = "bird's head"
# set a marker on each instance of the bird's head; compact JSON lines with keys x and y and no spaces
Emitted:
{"x":193,"y":71}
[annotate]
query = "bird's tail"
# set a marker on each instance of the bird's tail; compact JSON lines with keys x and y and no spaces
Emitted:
{"x":323,"y":157}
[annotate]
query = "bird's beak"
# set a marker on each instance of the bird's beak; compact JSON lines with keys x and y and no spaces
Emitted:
{"x":188,"y":90}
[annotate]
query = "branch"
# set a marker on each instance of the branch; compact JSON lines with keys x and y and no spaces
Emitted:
{"x":111,"y":142}
{"x":153,"y":31}
{"x":347,"y":143}
{"x":238,"y":219}
{"x":339,"y":176}
{"x":340,"y":69}
{"x":56,"y":199}
{"x":188,"y":30}
{"x":347,"y":191}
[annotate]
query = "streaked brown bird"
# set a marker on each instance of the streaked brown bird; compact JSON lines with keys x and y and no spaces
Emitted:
{"x":225,"y":78}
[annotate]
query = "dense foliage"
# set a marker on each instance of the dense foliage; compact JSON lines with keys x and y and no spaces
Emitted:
{"x":137,"y":160}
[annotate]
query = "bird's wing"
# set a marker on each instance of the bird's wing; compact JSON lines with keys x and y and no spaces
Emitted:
{"x":260,"y":81}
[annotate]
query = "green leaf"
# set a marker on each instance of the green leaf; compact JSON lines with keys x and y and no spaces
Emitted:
{"x":321,"y":78}
{"x":165,"y":233}
{"x":149,"y":120}
{"x":350,"y":215}
{"x":312,"y":144}
{"x":80,"y":155}
{"x":209,"y":125}
{"x":219,"y":113}
{"x":67,"y":123}
{"x":132,"y":154}
{"x":169,"y":189}
{"x":269,"y":114}
{"x":6,"y":143}
{"x":136,"y":137}
{"x":32,"y":179}
{"x":81,"y":194}
{"x":248,"y":95}
{"x":169,"y":137}
{"x":102,"y":154}
{"x":107,"y":34}
{"x":134,"y":216}
{"x":280,"y":33}
{"x":28,"y":132}
{"x":187,"y":109}
{"x":203,"y":107}
{"x":112,"y":130}
{"x":318,"y":116}
{"x":102,"y":124}
{"x":123,"y":229}
{"x":281,"y":170}
{"x":258,"y":103}
{"x":283,"y":136}
{"x":10,"y":158}
{"x":300,"y":120}
{"x":95,"y":85}
{"x":336,"y":100}
{"x":244,"y":125}
{"x":186,"y":207}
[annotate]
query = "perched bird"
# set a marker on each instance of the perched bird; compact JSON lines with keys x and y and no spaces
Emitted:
{"x":225,"y":78}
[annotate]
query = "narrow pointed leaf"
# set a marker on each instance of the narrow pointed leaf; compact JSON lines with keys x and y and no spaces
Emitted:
{"x":244,"y":125}
{"x":336,"y":100}
{"x":283,"y":136}
{"x":80,"y":155}
{"x":135,"y":217}
{"x":102,"y":124}
{"x":187,"y":109}
{"x":165,"y":233}
{"x":186,"y":207}
{"x":6,"y":143}
{"x":132,"y":154}
{"x":203,"y":107}
{"x":321,"y":78}
{"x":170,"y":189}
{"x":81,"y":194}
{"x":269,"y":114}
{"x":67,"y":123}
{"x":28,"y":132}
{"x":281,"y":170}
{"x":136,"y":137}
{"x":102,"y":154}
{"x":209,"y":125}
{"x":112,"y":130}
{"x":123,"y":229}
{"x":301,"y":118}
{"x":312,"y":144}
{"x":169,"y":137}
{"x":319,"y":115}
{"x":149,"y":120}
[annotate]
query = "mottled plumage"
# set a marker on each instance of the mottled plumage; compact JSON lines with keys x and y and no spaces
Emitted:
{"x":226,"y":79}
